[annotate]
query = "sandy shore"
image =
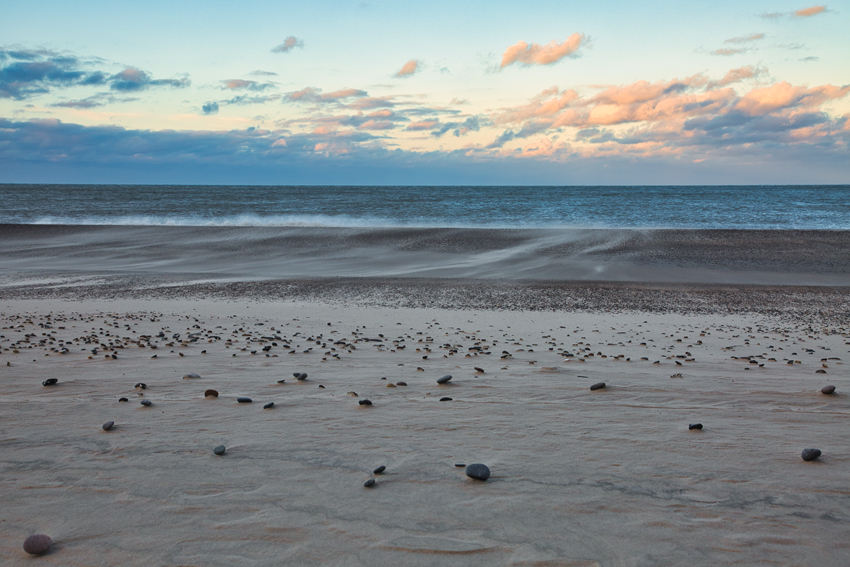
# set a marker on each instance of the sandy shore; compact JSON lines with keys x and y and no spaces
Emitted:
{"x":611,"y":477}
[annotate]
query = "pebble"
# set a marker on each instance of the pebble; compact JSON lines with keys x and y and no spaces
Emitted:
{"x":379,"y":470}
{"x":445,"y":399}
{"x":477,"y":369}
{"x":244,"y":400}
{"x":141,"y":385}
{"x":820,"y":371}
{"x":478,"y":471}
{"x":145,"y":403}
{"x":461,"y":465}
{"x":695,"y":426}
{"x":300,"y":375}
{"x":827,"y":390}
{"x":445,"y":379}
{"x":50,"y":382}
{"x":190,"y":376}
{"x":391,"y":385}
{"x":108,"y":425}
{"x":369,"y":483}
{"x":37,"y":544}
{"x":401,"y":383}
{"x":810,"y":454}
{"x":123,"y":400}
{"x":208,"y":393}
{"x":281,"y":381}
{"x":268,"y":405}
{"x":597,"y":386}
{"x":220,"y":450}
{"x":365,"y":402}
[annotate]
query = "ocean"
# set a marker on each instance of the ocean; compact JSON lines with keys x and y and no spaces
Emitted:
{"x":711,"y":207}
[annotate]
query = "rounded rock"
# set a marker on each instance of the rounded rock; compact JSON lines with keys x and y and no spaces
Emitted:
{"x":190,"y":376}
{"x":827,"y":389}
{"x":220,"y":450}
{"x":810,"y":454}
{"x":50,"y":382}
{"x":695,"y":426}
{"x":244,"y":400}
{"x":365,"y":402}
{"x":146,"y":403}
{"x":108,"y":425}
{"x":123,"y":400}
{"x":369,"y":483}
{"x":445,"y":399}
{"x":208,"y":393}
{"x":597,"y":386}
{"x":379,"y":470}
{"x":268,"y":405}
{"x":478,"y":471}
{"x":445,"y":379}
{"x":141,"y":385}
{"x":300,"y":375}
{"x":37,"y":544}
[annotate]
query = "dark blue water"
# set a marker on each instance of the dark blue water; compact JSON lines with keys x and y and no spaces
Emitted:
{"x":752,"y":207}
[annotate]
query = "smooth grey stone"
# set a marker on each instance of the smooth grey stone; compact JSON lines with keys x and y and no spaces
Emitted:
{"x":445,"y":399}
{"x":37,"y":544}
{"x":145,"y":402}
{"x":445,"y":379}
{"x":108,"y":425}
{"x":123,"y":400}
{"x":300,"y":375}
{"x":281,"y":381}
{"x":379,"y":470}
{"x":369,"y":483}
{"x":268,"y":405}
{"x":141,"y":385}
{"x":597,"y":386}
{"x":50,"y":382}
{"x":365,"y":402}
{"x":244,"y":400}
{"x":827,"y":390}
{"x":695,"y":426}
{"x":220,"y":450}
{"x":810,"y":454}
{"x":190,"y":376}
{"x":478,"y":471}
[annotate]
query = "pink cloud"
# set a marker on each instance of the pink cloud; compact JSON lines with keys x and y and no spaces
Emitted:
{"x":729,"y":51}
{"x":423,"y":125}
{"x":408,"y":68}
{"x":536,"y":54}
{"x":745,"y":38}
{"x":736,"y":76}
{"x":288,"y":45}
{"x":783,"y":95}
{"x":808,"y":12}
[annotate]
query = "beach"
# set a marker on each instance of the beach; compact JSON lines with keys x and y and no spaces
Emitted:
{"x":579,"y":477}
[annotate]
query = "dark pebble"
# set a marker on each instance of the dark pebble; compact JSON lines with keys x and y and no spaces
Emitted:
{"x":268,"y":405}
{"x":827,"y":390}
{"x":300,"y":375}
{"x":49,"y":382}
{"x":460,"y":465}
{"x":141,"y":385}
{"x":379,"y":470}
{"x":208,"y":393}
{"x":37,"y":544}
{"x":445,"y":379}
{"x":108,"y":425}
{"x":695,"y":426}
{"x":145,"y":402}
{"x":478,"y":471}
{"x":220,"y":450}
{"x":445,"y":399}
{"x":810,"y":454}
{"x":477,"y":369}
{"x":820,"y":371}
{"x":369,"y":483}
{"x":365,"y":402}
{"x":597,"y":386}
{"x":401,"y":383}
{"x":244,"y":400}
{"x":123,"y":400}
{"x":281,"y":381}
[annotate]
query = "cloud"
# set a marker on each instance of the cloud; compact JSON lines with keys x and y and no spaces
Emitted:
{"x":503,"y":139}
{"x":536,"y":54}
{"x":736,"y":76}
{"x":33,"y":72}
{"x":288,"y":45}
{"x":808,"y":12}
{"x":422,"y":125}
{"x":93,"y":101}
{"x":210,"y":108}
{"x":314,"y":95}
{"x":745,"y":38}
{"x":729,"y":51}
{"x":261,"y":73}
{"x":408,"y":68}
{"x":134,"y":79}
{"x":471,"y":124}
{"x":236,"y":84}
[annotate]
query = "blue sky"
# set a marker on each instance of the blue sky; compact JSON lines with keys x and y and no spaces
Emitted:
{"x":436,"y":92}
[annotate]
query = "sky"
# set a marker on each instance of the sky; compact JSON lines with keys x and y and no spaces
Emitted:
{"x":417,"y":93}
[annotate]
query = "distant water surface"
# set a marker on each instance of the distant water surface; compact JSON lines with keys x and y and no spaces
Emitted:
{"x":710,"y":207}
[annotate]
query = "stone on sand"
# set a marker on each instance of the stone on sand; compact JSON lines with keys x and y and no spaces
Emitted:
{"x":50,"y":382}
{"x":37,"y":544}
{"x":445,"y":379}
{"x":597,"y":386}
{"x":827,"y":389}
{"x":379,"y":470}
{"x":210,"y":393}
{"x":220,"y":450}
{"x":190,"y":376}
{"x":108,"y":425}
{"x":810,"y":454}
{"x":244,"y":400}
{"x":369,"y":483}
{"x":478,"y":471}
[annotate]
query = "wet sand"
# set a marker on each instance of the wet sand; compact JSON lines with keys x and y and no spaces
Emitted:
{"x":579,"y":478}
